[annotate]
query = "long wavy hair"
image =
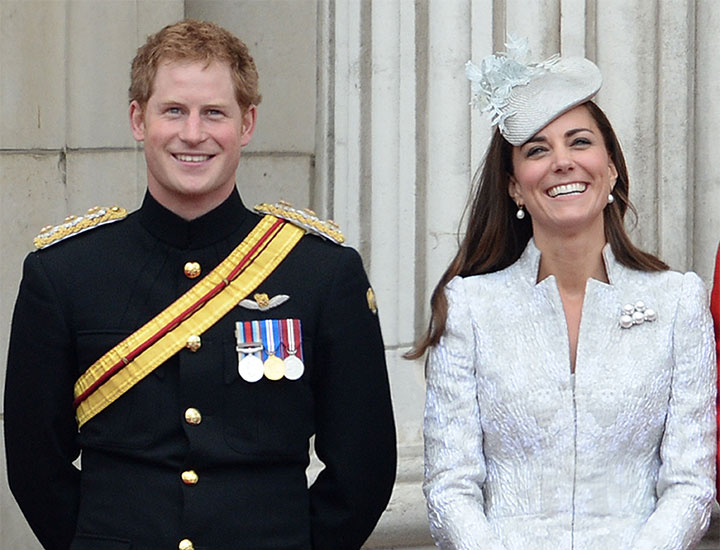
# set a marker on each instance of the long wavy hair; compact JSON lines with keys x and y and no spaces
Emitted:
{"x":495,"y":238}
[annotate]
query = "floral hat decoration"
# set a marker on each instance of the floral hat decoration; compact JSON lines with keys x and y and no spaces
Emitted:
{"x":522,"y":97}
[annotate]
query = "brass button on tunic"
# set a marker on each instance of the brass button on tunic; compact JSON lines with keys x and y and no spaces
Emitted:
{"x":189,"y":477}
{"x":192,"y":270}
{"x":193,"y":416}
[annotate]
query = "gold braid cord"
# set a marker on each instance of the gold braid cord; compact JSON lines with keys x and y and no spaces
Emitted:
{"x":74,"y":225}
{"x":305,"y":218}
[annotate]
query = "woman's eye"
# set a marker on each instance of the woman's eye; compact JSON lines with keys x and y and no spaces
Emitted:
{"x":534,"y":151}
{"x":581,"y":141}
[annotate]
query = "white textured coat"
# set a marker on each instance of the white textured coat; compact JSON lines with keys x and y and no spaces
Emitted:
{"x":520,"y":456}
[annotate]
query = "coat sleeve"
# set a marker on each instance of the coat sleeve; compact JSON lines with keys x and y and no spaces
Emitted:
{"x":686,"y":479}
{"x":715,"y":310}
{"x":355,"y":429}
{"x":40,"y":428}
{"x":454,"y":462}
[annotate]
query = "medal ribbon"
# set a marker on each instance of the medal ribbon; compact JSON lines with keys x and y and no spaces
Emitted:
{"x":257,"y":337}
{"x":291,"y":337}
{"x":268,"y":339}
{"x":244,"y":334}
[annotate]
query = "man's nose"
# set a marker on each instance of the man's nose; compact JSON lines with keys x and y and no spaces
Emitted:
{"x":192,"y":130}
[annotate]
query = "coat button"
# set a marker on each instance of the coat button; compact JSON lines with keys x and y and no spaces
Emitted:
{"x":193,"y":416}
{"x":193,"y":343}
{"x":186,"y":544}
{"x":192,"y":270}
{"x":189,"y":477}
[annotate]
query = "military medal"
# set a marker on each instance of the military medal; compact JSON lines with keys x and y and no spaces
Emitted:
{"x":250,"y":366}
{"x":294,"y":367}
{"x":274,"y":366}
{"x":271,"y":348}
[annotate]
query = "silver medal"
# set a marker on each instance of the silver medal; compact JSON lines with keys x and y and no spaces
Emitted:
{"x":250,"y":368}
{"x":294,"y":367}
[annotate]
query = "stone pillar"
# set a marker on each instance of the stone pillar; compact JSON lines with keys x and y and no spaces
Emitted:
{"x":367,"y":181}
{"x":705,"y":185}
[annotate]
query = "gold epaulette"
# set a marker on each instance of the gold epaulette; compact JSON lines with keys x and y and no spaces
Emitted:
{"x":72,"y":225}
{"x":305,"y":218}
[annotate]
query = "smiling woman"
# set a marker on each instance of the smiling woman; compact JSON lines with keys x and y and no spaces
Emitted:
{"x":556,"y":432}
{"x":563,"y":176}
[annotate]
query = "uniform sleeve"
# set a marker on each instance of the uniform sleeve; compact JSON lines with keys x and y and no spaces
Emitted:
{"x":40,"y":429}
{"x":355,"y":430}
{"x":686,"y":479}
{"x":454,"y":461}
{"x":715,"y":310}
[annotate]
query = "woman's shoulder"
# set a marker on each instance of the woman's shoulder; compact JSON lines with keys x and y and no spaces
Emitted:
{"x":485,"y":281}
{"x":669,"y":280}
{"x":674,"y":289}
{"x":483,"y":291}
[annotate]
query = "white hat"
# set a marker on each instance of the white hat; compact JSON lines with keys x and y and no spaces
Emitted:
{"x":524,"y":97}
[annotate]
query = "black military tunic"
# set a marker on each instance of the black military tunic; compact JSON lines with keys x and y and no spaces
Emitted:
{"x":194,"y":456}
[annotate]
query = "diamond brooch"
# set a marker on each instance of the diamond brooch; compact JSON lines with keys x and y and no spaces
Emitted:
{"x":636,"y":314}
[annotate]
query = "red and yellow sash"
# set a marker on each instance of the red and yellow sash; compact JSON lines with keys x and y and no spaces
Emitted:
{"x":190,"y":315}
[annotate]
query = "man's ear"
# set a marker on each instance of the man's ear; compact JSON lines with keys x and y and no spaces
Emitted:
{"x":248,"y":126}
{"x":137,"y":121}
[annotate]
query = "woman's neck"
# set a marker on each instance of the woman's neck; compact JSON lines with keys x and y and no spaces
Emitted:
{"x":572,"y":260}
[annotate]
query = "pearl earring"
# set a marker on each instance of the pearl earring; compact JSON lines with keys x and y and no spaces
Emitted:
{"x":611,"y":198}
{"x":520,"y":214}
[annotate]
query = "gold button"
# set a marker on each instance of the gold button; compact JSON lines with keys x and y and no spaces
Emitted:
{"x":193,"y":416}
{"x":186,"y":544}
{"x":193,"y":343}
{"x":189,"y":477}
{"x":192,"y":270}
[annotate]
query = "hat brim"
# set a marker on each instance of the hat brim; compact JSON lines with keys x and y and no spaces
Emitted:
{"x":569,"y":82}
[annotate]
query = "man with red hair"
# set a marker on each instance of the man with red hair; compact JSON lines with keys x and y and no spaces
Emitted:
{"x":191,"y":349}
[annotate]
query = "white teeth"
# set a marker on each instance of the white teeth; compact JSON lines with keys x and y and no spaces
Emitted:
{"x":192,"y":158}
{"x":567,"y":189}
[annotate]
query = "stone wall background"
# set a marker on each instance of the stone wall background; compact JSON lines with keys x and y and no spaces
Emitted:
{"x":365,"y":118}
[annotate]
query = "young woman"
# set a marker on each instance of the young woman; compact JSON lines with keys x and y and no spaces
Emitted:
{"x":571,"y":376}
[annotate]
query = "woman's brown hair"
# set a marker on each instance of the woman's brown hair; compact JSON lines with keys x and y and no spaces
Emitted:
{"x":495,"y":238}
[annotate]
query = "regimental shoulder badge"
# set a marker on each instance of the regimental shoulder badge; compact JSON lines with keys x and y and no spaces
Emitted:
{"x":305,"y":218}
{"x":371,"y":300}
{"x":74,"y":225}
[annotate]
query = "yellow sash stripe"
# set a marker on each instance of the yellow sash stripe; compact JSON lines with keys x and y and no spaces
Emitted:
{"x":266,"y":260}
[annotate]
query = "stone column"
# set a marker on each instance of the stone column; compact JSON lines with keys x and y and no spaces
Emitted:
{"x":367,"y":181}
{"x":705,"y":185}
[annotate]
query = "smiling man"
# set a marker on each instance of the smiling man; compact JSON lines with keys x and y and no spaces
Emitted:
{"x":191,"y":349}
